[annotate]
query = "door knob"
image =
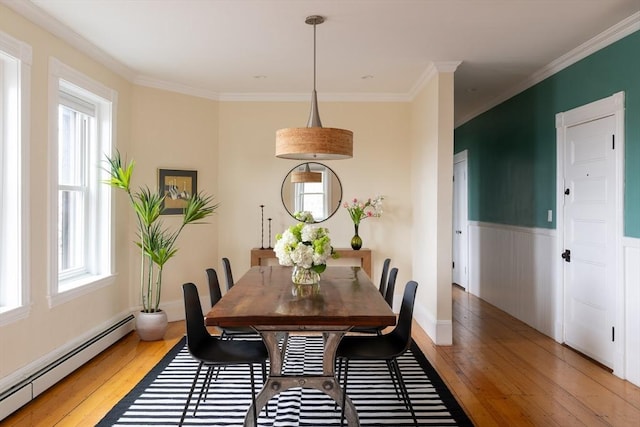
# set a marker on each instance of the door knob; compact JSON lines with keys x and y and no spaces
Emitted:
{"x":566,"y":255}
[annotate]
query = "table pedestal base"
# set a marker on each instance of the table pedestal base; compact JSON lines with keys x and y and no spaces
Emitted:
{"x":277,"y":382}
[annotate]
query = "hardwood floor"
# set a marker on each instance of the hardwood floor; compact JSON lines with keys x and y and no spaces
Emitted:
{"x":503,"y":372}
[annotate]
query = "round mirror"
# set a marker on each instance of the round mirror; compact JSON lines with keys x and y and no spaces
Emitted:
{"x":312,"y":187}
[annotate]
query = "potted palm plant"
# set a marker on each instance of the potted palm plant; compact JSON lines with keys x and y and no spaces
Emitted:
{"x":157,"y":244}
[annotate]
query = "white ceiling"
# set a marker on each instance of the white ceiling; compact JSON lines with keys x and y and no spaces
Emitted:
{"x":366,"y":49}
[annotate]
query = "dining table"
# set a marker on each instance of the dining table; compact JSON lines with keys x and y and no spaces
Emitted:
{"x":266,"y":299}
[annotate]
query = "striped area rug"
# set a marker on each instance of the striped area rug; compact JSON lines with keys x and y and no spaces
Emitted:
{"x":160,"y":397}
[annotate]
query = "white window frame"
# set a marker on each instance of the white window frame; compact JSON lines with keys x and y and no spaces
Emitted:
{"x":15,"y":292}
{"x":99,"y":270}
{"x":299,"y":193}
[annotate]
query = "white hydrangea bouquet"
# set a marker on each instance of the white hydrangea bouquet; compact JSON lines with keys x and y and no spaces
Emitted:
{"x":306,"y":247}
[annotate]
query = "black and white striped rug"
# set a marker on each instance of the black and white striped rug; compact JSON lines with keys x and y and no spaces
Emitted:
{"x":160,"y":397}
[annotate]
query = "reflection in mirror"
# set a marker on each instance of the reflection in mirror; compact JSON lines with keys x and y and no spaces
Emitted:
{"x":312,"y":187}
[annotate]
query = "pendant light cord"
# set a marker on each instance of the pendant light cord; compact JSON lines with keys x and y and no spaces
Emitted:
{"x":314,"y":57}
{"x":314,"y":115}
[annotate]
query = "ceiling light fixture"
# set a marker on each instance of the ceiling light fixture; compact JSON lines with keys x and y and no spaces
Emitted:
{"x":314,"y":142}
{"x":306,"y":175}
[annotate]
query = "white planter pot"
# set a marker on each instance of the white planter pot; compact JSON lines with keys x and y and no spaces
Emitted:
{"x":151,"y":326}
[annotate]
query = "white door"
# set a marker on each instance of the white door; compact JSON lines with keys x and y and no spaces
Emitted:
{"x":460,"y":217}
{"x":589,"y":237}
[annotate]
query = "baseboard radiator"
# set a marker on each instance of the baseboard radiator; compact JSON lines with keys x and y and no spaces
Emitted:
{"x":32,"y":386}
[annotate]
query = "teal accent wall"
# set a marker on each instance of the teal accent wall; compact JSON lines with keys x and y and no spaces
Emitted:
{"x":512,"y":147}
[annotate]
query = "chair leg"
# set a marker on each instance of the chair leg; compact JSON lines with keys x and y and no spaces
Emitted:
{"x":205,"y":388}
{"x":335,"y":404}
{"x":264,"y":381}
{"x":253,"y":395}
{"x":344,"y":390}
{"x":393,"y":378}
{"x":403,"y":389}
{"x":193,"y":386}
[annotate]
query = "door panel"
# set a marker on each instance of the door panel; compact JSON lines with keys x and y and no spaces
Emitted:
{"x":460,"y":219}
{"x":589,"y":233}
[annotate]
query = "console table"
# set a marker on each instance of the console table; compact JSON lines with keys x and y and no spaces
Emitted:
{"x":259,"y":257}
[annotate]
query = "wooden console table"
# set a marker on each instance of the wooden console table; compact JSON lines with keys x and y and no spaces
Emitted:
{"x":259,"y":257}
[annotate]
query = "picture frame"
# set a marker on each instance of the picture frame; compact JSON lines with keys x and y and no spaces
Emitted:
{"x":177,"y":186}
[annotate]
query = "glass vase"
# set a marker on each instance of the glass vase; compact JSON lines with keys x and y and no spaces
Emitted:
{"x":356,"y":241}
{"x":304,"y":276}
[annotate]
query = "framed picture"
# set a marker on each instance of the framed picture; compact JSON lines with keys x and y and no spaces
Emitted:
{"x":177,"y":186}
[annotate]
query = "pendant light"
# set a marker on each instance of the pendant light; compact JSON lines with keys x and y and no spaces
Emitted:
{"x":314,"y":142}
{"x":306,"y":175}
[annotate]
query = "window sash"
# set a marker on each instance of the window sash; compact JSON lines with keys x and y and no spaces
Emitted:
{"x":73,"y":191}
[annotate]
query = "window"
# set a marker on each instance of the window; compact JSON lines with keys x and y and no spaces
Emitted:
{"x":313,"y":196}
{"x":15,"y":67}
{"x":82,"y":113}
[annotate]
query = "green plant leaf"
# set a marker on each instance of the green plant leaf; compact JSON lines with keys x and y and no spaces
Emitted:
{"x":199,"y":206}
{"x":147,"y":206}
{"x":119,"y":176}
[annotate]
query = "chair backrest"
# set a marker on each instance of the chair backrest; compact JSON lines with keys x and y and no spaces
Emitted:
{"x":227,"y":271}
{"x":383,"y":277}
{"x":402,"y":330}
{"x":196,"y":330}
{"x":391,"y":287}
{"x":214,"y":286}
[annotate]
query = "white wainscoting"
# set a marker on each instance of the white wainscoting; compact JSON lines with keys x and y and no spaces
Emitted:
{"x":512,"y":268}
{"x":631,"y":251}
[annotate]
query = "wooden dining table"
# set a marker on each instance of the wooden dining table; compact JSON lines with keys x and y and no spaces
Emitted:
{"x":266,"y":299}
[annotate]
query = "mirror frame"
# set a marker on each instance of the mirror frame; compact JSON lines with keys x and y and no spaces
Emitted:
{"x":287,"y":179}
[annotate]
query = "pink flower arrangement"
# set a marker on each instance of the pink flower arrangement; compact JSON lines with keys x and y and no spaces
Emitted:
{"x":361,"y":209}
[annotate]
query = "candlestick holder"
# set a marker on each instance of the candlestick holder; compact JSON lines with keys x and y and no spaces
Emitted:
{"x":261,"y":226}
{"x":270,"y":234}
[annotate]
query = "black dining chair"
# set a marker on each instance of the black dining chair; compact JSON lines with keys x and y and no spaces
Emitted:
{"x":389,"y":290}
{"x":227,"y":272}
{"x":211,"y":351}
{"x":215,"y":295}
{"x":383,"y":276}
{"x":387,"y":347}
{"x":229,"y":332}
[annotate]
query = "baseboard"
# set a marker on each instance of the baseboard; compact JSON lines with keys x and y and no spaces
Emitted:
{"x":440,"y":331}
{"x":28,"y":383}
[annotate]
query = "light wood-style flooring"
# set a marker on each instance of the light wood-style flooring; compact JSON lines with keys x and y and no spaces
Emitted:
{"x":503,"y":372}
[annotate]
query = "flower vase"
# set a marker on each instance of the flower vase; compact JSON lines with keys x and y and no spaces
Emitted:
{"x":356,"y":241}
{"x":304,"y":276}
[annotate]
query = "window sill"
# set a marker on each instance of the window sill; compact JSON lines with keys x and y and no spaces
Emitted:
{"x":13,"y":314}
{"x":73,"y":289}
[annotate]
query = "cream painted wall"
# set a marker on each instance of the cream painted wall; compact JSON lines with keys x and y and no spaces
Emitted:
{"x":173,"y":131}
{"x":250,"y":175}
{"x":432,"y":189}
{"x":46,"y":330}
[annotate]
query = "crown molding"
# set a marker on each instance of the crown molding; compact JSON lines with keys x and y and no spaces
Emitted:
{"x":306,"y":97}
{"x":617,"y":32}
{"x":175,"y":87}
{"x":433,"y":69}
{"x":31,"y":12}
{"x":36,"y":15}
